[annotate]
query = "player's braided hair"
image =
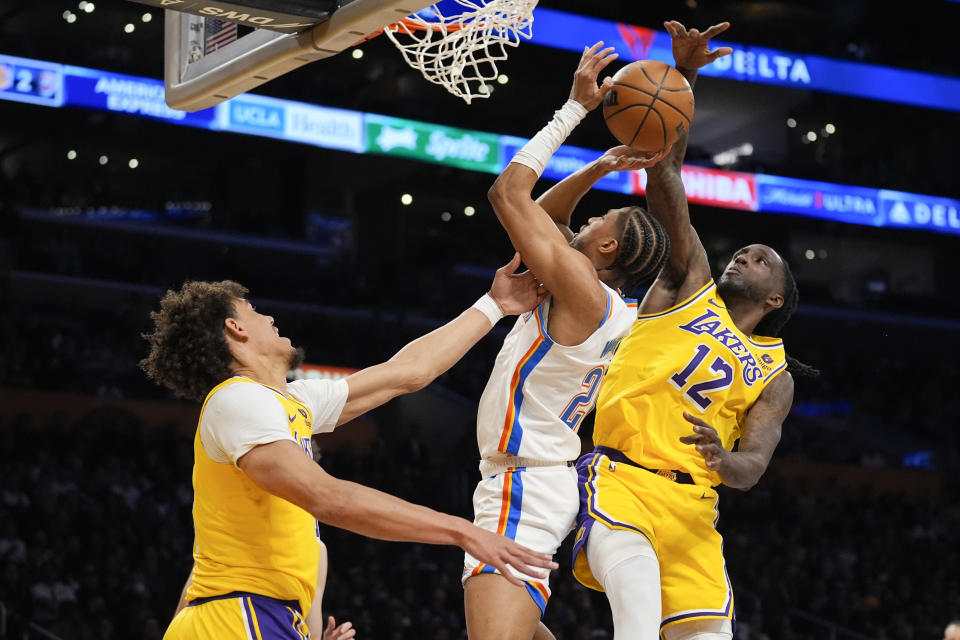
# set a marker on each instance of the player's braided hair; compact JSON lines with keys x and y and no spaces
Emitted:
{"x":771,"y":324}
{"x":188,"y":350}
{"x":644,"y":247}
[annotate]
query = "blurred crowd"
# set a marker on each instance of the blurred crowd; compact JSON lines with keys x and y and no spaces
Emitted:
{"x":96,"y":532}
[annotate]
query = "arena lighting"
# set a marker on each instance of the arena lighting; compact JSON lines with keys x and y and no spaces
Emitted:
{"x":129,"y":27}
{"x":791,"y":123}
{"x":104,"y":160}
{"x":445,"y":216}
{"x":809,"y":254}
{"x":69,"y":16}
{"x":469,"y":211}
{"x":503,"y":78}
{"x":71,"y":155}
{"x":811,"y":136}
{"x":829,"y":128}
{"x":147,"y":17}
{"x":134,"y":163}
{"x":357,"y":54}
{"x":406,"y":199}
{"x":89,"y":7}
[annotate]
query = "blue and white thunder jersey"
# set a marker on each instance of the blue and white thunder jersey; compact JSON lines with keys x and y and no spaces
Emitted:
{"x":539,"y":390}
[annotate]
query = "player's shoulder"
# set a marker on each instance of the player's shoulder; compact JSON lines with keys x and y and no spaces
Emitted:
{"x":236,"y":393}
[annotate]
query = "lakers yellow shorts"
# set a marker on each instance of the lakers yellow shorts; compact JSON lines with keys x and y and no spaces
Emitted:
{"x":239,"y":616}
{"x":678,"y":519}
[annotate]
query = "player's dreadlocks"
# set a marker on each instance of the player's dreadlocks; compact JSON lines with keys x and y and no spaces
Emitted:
{"x":771,"y":324}
{"x":188,"y":351}
{"x":644,"y":247}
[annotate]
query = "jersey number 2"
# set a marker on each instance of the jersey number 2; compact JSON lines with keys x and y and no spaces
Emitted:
{"x":694,"y":393}
{"x":582,"y":402}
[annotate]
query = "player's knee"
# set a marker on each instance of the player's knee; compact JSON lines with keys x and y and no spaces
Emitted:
{"x":608,"y":548}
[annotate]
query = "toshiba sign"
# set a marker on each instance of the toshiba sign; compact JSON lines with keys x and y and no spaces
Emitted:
{"x":727,"y":189}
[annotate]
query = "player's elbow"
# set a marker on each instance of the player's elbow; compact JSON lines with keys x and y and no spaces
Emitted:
{"x":507,"y":188}
{"x":412,"y":375}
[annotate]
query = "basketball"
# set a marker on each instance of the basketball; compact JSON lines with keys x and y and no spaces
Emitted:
{"x":650,"y":105}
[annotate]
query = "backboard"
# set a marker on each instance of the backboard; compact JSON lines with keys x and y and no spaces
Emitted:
{"x":215,"y":50}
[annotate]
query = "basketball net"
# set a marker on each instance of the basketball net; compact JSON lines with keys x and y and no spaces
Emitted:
{"x":460,"y":51}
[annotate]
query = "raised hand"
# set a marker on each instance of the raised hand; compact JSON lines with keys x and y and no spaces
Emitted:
{"x":592,"y":62}
{"x":500,"y":552}
{"x":515,"y":293}
{"x":691,"y":49}
{"x":343,"y":632}
{"x":624,"y":158}
{"x":707,"y":442}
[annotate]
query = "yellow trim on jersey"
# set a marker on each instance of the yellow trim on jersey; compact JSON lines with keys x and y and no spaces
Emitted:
{"x":679,"y":305}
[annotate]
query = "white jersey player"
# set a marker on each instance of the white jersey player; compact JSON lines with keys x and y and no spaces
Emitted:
{"x":547,"y":374}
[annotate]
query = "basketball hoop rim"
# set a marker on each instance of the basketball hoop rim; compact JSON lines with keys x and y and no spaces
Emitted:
{"x":409,"y":26}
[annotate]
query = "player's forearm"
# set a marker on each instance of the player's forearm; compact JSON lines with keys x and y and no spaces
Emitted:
{"x":561,"y":199}
{"x":742,"y":470}
{"x":674,"y":160}
{"x":375,"y":514}
{"x":429,"y":356}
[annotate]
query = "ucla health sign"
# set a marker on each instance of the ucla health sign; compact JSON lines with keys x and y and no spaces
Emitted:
{"x":293,"y":121}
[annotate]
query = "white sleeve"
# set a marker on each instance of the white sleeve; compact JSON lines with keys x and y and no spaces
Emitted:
{"x":325,"y":398}
{"x":239,"y":417}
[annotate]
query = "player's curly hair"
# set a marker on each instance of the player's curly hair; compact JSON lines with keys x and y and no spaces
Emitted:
{"x":771,"y":324}
{"x":188,"y":350}
{"x":644,"y":248}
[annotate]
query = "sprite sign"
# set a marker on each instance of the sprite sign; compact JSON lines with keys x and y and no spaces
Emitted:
{"x":432,"y":143}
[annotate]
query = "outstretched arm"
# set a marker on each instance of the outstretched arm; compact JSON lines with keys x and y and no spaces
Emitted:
{"x":423,"y":360}
{"x":741,"y":469}
{"x":567,"y":273}
{"x":687,"y":269}
{"x":281,"y":468}
{"x":561,"y":199}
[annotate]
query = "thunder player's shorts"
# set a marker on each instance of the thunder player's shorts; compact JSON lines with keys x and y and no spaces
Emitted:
{"x":536,"y":506}
{"x":678,"y":519}
{"x":239,"y":616}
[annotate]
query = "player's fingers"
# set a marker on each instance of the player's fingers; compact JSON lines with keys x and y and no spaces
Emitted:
{"x":589,"y":51}
{"x":694,"y":439}
{"x":678,"y":28}
{"x":602,"y":58}
{"x":331,"y":623}
{"x":719,"y":53}
{"x":605,"y":87}
{"x":694,"y":420}
{"x":694,"y":33}
{"x":715,"y":29}
{"x":511,"y":266}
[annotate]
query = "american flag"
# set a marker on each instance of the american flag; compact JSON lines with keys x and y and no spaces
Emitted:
{"x":217,"y":34}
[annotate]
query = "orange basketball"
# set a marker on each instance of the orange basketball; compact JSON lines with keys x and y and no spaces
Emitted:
{"x":650,"y":105}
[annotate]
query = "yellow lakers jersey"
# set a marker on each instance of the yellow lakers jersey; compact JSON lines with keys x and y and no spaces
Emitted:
{"x":246,"y":538}
{"x":690,"y":358}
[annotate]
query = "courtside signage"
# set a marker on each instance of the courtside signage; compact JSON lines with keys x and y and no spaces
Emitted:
{"x":565,"y":161}
{"x":714,"y":187}
{"x":856,"y":205}
{"x":474,"y":150}
{"x":433,"y":143}
{"x":755,"y":64}
{"x":126,"y":94}
{"x":31,"y":81}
